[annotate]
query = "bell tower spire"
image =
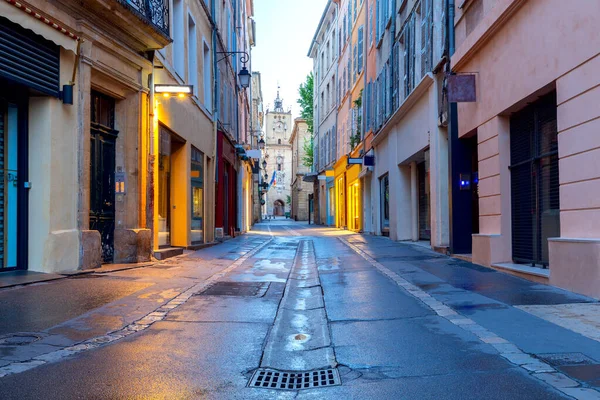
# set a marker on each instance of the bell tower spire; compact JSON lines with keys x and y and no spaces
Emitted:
{"x":278,"y":102}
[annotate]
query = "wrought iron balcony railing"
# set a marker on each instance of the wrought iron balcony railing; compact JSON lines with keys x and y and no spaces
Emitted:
{"x":155,"y":12}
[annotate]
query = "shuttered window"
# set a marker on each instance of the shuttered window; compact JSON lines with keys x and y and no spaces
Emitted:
{"x":426,"y":36}
{"x":534,"y":181}
{"x":361,"y":50}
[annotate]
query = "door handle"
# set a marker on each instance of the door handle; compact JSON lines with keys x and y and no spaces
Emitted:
{"x":108,"y":204}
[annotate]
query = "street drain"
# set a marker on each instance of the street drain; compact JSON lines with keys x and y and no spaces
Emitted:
{"x":18,"y":339}
{"x":247,"y":289}
{"x":267,"y":378}
{"x":564,"y":359}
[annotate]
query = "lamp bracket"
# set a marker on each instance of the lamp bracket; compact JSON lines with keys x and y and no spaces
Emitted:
{"x":243,"y":59}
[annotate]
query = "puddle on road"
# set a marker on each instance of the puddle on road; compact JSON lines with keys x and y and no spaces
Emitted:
{"x":267,"y":264}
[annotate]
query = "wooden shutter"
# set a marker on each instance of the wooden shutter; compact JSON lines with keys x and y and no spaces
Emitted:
{"x":426,"y":36}
{"x":361,"y":32}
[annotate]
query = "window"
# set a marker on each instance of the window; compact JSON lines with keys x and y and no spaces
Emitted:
{"x":345,"y":26}
{"x":206,"y":61}
{"x":333,"y":49}
{"x":278,"y":141}
{"x":279,"y":164}
{"x":354,"y":12}
{"x":332,"y":103}
{"x":370,"y":25}
{"x":426,"y":36}
{"x":407,"y":40}
{"x":192,"y":55}
{"x":327,"y":100}
{"x":197,"y":178}
{"x":343,"y":89}
{"x":349,"y":32}
{"x":361,"y":31}
{"x":384,"y":184}
{"x":355,"y":63}
{"x":348,"y":71}
{"x":178,"y":38}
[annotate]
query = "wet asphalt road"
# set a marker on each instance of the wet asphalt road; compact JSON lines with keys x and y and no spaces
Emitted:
{"x":306,"y":301}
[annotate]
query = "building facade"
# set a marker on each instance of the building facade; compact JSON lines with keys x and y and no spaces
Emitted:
{"x":257,"y":132}
{"x":530,"y":136}
{"x":410,"y":180}
{"x":71,"y":126}
{"x":100,"y":168}
{"x":183,"y":129}
{"x":278,"y":154}
{"x":324,"y":51}
{"x":301,"y":190}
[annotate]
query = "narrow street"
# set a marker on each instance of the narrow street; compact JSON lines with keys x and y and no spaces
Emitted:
{"x":381,"y":319}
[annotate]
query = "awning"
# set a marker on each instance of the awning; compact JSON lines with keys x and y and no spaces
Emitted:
{"x":310,"y":177}
{"x":32,"y":20}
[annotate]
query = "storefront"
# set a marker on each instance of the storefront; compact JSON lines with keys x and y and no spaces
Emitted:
{"x":29,"y":66}
{"x":340,"y":192}
{"x":354,"y":191}
{"x":226,"y":198}
{"x":197,"y":183}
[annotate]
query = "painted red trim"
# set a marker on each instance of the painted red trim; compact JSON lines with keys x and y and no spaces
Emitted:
{"x":43,"y":19}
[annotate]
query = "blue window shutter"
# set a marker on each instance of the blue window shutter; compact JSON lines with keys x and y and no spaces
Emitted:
{"x":361,"y":31}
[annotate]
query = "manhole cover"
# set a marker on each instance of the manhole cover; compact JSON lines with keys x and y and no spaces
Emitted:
{"x":268,"y":378}
{"x":250,"y":289}
{"x":561,"y":359}
{"x":19,"y":339}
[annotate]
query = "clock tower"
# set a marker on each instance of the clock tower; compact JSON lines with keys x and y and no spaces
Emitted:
{"x":278,"y":154}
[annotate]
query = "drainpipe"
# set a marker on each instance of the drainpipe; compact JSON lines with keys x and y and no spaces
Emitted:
{"x":452,"y":125}
{"x":451,"y":27}
{"x":151,"y":160}
{"x":215,"y":114}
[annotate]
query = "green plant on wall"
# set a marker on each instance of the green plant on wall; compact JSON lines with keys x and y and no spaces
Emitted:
{"x":356,"y":138}
{"x":288,"y":200}
{"x":307,"y":146}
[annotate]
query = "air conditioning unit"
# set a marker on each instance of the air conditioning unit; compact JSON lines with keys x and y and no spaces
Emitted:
{"x":219,"y":233}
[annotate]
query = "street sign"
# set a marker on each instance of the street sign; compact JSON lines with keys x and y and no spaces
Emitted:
{"x":352,"y":160}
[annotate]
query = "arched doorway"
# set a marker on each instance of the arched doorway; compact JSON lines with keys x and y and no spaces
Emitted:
{"x":278,"y":208}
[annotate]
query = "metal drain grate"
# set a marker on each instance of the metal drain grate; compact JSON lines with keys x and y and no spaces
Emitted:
{"x":245,"y":289}
{"x":563,"y":359}
{"x":267,"y":378}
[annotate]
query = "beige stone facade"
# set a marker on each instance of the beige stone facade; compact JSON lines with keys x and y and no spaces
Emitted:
{"x":301,"y":190}
{"x":278,"y":154}
{"x":122,"y":171}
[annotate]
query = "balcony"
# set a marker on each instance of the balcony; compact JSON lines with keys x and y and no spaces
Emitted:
{"x":154,"y":12}
{"x":143,"y":24}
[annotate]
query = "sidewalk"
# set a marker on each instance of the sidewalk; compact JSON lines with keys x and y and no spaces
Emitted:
{"x":43,"y":313}
{"x":555,"y":326}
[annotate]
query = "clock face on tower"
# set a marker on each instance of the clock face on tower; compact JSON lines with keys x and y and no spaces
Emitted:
{"x":278,"y":126}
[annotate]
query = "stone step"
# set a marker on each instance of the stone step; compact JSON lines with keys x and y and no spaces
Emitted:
{"x":168,"y":252}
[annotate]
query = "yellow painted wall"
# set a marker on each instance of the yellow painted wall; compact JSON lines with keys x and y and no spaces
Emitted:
{"x":180,"y":194}
{"x":354,"y":195}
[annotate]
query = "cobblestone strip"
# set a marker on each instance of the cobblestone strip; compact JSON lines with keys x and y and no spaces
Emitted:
{"x":509,"y":351}
{"x":141,"y":324}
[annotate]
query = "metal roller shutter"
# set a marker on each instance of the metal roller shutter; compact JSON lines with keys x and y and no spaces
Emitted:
{"x":534,"y":181}
{"x":28,"y":59}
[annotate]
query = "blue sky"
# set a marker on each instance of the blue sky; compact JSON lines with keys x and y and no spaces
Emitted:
{"x":284,"y":31}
